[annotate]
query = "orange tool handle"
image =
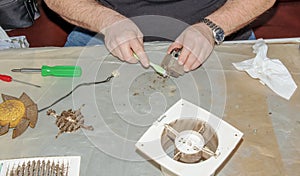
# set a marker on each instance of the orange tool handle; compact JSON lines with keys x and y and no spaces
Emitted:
{"x":6,"y":78}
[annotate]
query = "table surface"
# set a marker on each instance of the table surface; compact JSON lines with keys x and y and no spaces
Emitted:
{"x":124,"y":108}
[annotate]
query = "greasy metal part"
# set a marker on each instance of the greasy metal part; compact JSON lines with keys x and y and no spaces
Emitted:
{"x":171,"y":65}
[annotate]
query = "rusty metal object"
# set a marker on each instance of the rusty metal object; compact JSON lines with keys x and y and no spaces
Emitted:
{"x":17,"y":113}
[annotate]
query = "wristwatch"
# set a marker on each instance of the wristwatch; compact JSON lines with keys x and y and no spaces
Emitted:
{"x":218,"y":32}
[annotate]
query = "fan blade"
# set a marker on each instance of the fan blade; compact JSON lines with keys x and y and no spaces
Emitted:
{"x":4,"y":129}
{"x":20,"y":128}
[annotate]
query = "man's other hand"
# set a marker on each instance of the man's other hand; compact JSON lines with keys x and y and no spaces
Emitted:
{"x":196,"y":43}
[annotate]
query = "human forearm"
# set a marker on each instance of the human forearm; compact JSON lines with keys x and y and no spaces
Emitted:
{"x":88,"y":14}
{"x":236,"y":14}
{"x":197,"y":42}
{"x":122,"y":36}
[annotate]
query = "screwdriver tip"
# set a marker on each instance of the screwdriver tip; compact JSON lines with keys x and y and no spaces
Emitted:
{"x":16,"y":70}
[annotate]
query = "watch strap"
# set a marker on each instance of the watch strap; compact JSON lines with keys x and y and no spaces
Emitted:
{"x":218,"y":32}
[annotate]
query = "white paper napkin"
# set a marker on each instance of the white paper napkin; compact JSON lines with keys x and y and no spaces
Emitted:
{"x":7,"y":42}
{"x":271,"y":72}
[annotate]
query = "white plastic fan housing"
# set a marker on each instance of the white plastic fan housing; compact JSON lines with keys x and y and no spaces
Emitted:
{"x":227,"y":137}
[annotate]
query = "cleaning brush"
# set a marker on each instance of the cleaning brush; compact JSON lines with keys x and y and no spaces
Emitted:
{"x":155,"y":67}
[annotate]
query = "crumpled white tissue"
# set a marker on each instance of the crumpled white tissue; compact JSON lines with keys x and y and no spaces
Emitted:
{"x":7,"y":42}
{"x":271,"y":72}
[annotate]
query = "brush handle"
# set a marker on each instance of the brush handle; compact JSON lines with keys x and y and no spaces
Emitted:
{"x":156,"y":67}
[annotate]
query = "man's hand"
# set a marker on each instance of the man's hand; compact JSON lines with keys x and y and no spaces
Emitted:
{"x":196,"y":43}
{"x":122,"y":38}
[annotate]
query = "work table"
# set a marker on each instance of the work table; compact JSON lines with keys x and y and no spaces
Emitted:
{"x":122,"y":109}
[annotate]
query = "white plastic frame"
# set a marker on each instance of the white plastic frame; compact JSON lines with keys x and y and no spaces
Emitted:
{"x":150,"y":142}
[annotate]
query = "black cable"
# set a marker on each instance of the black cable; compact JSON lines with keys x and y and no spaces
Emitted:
{"x":79,"y":85}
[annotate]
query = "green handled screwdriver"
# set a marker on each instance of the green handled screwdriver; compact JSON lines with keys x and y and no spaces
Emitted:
{"x":58,"y":71}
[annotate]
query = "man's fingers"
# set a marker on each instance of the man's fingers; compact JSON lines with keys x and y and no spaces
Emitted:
{"x":127,"y":53}
{"x":123,"y":38}
{"x":116,"y":52}
{"x":138,"y":49}
{"x":189,"y":62}
{"x":173,"y":46}
{"x":196,"y":64}
{"x":184,"y":55}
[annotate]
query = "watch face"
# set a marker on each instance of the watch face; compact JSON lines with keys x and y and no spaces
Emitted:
{"x":219,"y":35}
{"x":218,"y":32}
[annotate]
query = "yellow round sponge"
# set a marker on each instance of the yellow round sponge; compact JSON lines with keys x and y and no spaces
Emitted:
{"x":11,"y":111}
